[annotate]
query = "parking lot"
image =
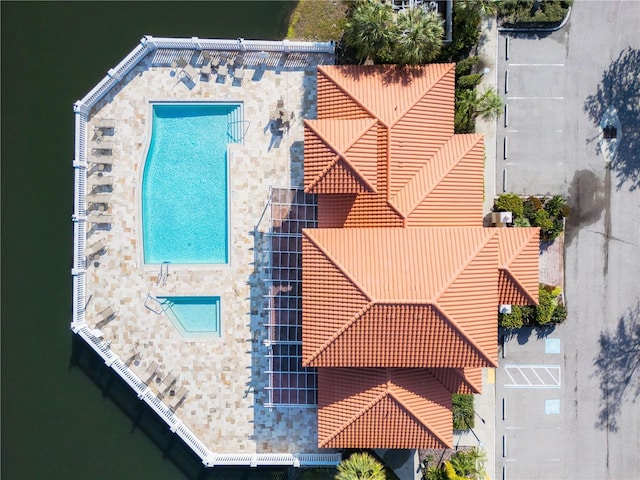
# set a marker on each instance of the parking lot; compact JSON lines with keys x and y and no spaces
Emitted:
{"x":555,"y":85}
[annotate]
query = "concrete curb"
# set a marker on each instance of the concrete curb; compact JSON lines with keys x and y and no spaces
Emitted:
{"x":538,"y":30}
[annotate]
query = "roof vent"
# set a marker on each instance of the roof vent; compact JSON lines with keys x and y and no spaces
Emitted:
{"x":504,"y":309}
{"x":500,"y":219}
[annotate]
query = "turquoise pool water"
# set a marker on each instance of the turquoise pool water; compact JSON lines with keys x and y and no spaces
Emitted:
{"x":193,"y":316}
{"x":184,"y":183}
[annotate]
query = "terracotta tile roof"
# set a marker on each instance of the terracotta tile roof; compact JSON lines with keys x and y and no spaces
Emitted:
{"x":459,"y":380}
{"x":519,"y":267}
{"x":401,"y":277}
{"x":398,"y":150}
{"x":392,"y":313}
{"x":383,"y":408}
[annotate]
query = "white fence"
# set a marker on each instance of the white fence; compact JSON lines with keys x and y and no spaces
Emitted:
{"x":82,"y":108}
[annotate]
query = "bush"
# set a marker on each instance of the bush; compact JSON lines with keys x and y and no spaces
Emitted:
{"x":360,"y":465}
{"x":555,"y":206}
{"x":469,"y":81}
{"x":521,"y":222}
{"x":559,"y":314}
{"x":509,"y":202}
{"x":463,"y":414}
{"x":514,"y":12}
{"x":547,"y":303}
{"x":511,"y":320}
{"x":464,"y":66}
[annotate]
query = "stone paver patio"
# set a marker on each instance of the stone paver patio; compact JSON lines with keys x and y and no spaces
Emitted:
{"x":225,"y":376}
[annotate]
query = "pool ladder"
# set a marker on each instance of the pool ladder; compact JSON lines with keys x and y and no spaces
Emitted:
{"x":164,"y":273}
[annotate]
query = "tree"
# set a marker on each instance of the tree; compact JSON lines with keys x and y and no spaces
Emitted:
{"x":419,"y":36}
{"x":370,"y":30}
{"x":489,"y":105}
{"x":360,"y":466}
{"x":469,"y":464}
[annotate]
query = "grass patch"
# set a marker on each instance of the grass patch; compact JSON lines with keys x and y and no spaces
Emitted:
{"x":318,"y":20}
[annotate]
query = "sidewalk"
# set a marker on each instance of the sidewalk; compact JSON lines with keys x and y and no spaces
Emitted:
{"x":488,"y":53}
{"x":484,"y":432}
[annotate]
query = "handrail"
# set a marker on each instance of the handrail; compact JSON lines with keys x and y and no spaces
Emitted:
{"x":82,"y":109}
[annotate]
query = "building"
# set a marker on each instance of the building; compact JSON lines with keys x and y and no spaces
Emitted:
{"x":401,"y":280}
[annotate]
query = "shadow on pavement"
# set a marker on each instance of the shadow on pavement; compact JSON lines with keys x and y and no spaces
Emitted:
{"x":587,"y":201}
{"x":619,"y":89}
{"x":616,"y":365}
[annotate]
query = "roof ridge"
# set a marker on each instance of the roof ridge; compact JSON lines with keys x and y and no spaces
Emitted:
{"x":356,"y":416}
{"x":396,"y":398}
{"x":524,"y":290}
{"x":465,"y":335}
{"x":339,"y":155}
{"x":464,"y":266}
{"x":339,"y":85}
{"x":428,"y":165}
{"x":456,"y":369}
{"x":420,"y":97}
{"x":341,"y":330}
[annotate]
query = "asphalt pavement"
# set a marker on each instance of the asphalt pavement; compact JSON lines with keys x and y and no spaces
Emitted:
{"x":557,"y":87}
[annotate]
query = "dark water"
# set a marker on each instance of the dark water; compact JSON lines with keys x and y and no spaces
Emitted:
{"x":64,"y":416}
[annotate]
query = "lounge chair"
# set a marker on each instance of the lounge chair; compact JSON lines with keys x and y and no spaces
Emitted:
{"x":100,"y":181}
{"x":238,"y":74}
{"x":95,"y":248}
{"x":206,"y":65}
{"x":223,"y":70}
{"x":187,"y":69}
{"x":167,"y":382}
{"x":178,"y":397}
{"x":150,"y":372}
{"x":104,"y":124}
{"x":102,"y":159}
{"x":99,"y":219}
{"x":106,"y":316}
{"x":102,"y":198}
{"x":102,"y":144}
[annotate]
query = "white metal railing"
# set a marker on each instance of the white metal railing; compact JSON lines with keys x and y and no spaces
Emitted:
{"x":82,"y":109}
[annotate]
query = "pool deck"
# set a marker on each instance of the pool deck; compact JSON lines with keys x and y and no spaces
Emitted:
{"x":225,"y":376}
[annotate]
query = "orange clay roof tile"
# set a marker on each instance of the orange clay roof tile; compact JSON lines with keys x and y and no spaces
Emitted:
{"x":382,"y":408}
{"x":449,"y":324}
{"x":386,"y":91}
{"x":519,"y":264}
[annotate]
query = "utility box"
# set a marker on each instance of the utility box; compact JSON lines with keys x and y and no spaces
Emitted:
{"x":501,"y":219}
{"x":504,"y":308}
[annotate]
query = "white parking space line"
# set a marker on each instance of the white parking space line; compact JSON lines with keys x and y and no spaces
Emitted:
{"x":536,"y":64}
{"x":535,"y":98}
{"x":533,"y":376}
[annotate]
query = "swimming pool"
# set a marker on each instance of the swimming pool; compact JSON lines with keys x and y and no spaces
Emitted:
{"x":185,"y":216}
{"x":193,"y":316}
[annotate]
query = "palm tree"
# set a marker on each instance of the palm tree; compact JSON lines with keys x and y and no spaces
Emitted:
{"x":420,"y":33}
{"x":469,"y":464}
{"x":360,"y":466}
{"x":489,"y":105}
{"x":371,"y":30}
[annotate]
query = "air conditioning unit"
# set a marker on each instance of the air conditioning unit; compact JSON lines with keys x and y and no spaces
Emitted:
{"x":500,"y":219}
{"x":504,"y":309}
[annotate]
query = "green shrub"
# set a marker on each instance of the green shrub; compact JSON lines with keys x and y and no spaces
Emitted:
{"x":555,"y":205}
{"x":463,"y":414}
{"x":546,"y":305}
{"x":511,"y":320}
{"x":559,"y":314}
{"x":515,"y":12}
{"x":360,"y":465}
{"x":469,"y":81}
{"x":464,"y":66}
{"x":509,"y":202}
{"x":521,"y":222}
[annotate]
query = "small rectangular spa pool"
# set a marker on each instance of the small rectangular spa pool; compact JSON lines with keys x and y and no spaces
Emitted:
{"x":193,"y":317}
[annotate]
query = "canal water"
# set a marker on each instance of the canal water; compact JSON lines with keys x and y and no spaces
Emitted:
{"x":64,"y":415}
